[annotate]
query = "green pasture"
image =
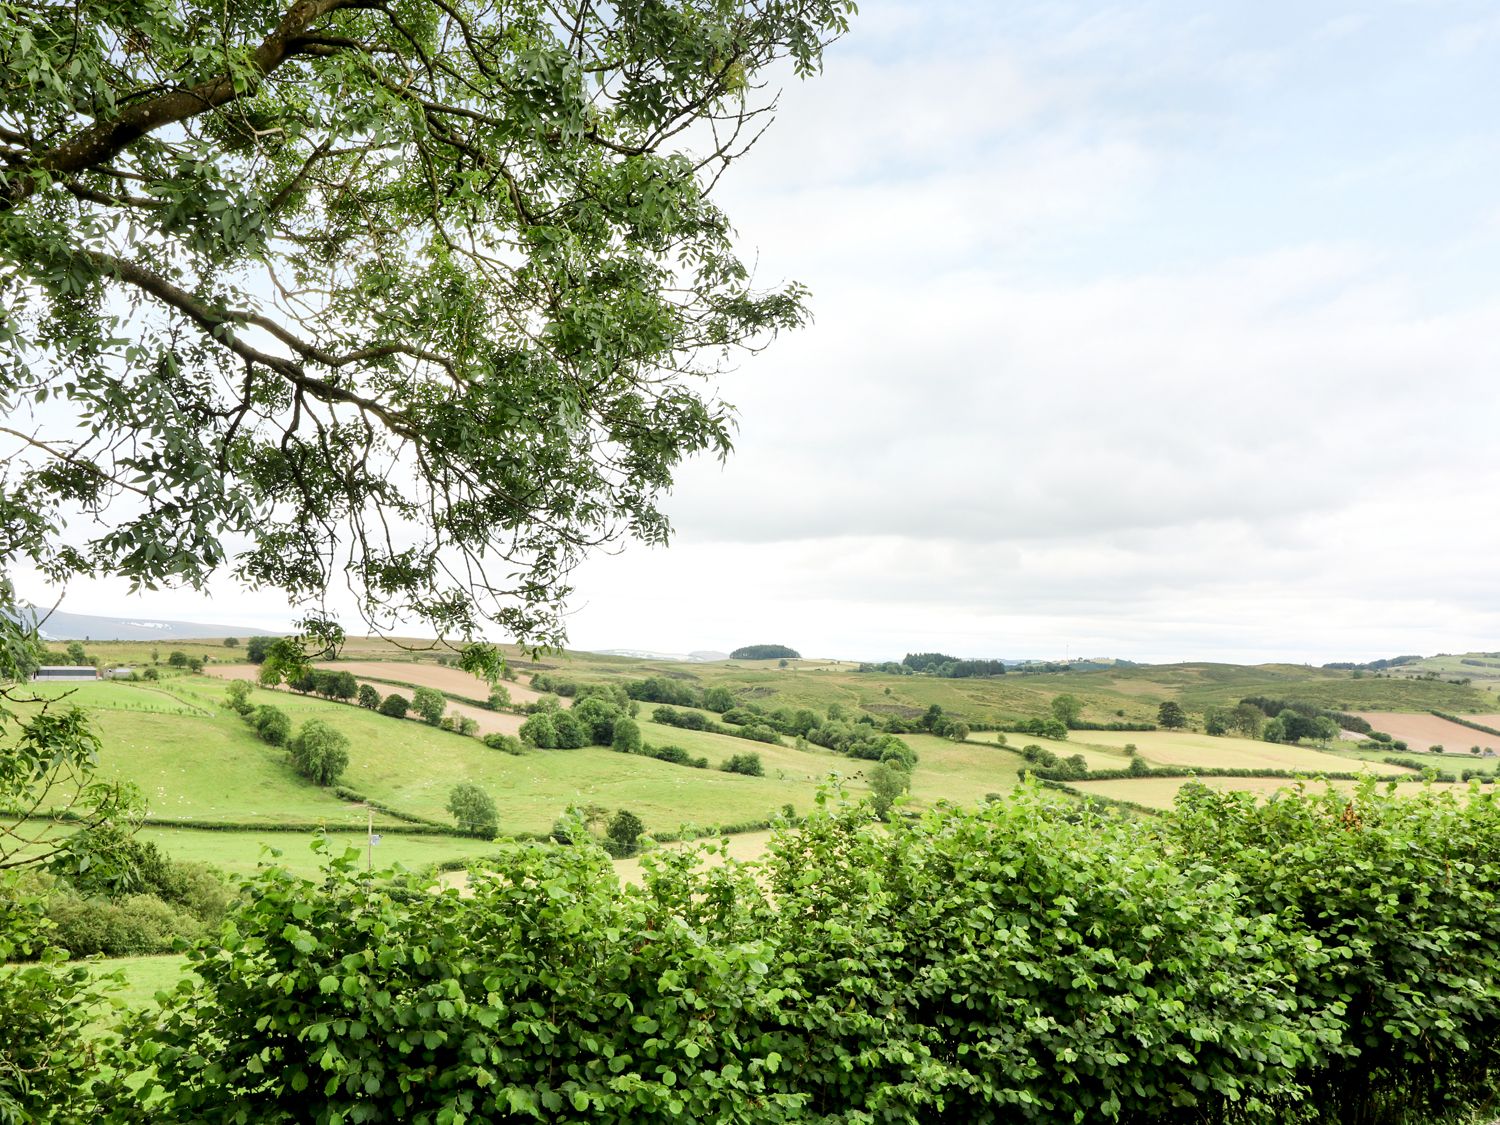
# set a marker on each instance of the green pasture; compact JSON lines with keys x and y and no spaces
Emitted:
{"x":240,"y":853}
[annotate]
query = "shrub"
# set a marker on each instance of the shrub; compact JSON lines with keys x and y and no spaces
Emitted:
{"x":499,"y":698}
{"x":1398,"y":895}
{"x":272,"y":724}
{"x":319,"y":752}
{"x":473,"y":809}
{"x":395,"y":705}
{"x":466,"y":726}
{"x":747,"y":764}
{"x":623,"y":833}
{"x":506,"y":743}
{"x":571,"y":733}
{"x":368,"y":697}
{"x":237,"y":695}
{"x":674,"y":754}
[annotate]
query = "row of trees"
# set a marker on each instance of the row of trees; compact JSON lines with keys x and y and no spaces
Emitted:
{"x":318,"y":751}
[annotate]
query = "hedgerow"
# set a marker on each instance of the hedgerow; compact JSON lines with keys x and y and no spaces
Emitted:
{"x":1314,"y":957}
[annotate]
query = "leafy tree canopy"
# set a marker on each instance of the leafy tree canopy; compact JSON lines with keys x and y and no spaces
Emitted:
{"x":426,"y":293}
{"x":765,"y":652}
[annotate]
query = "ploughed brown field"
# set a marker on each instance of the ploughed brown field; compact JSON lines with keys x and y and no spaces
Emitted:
{"x":1421,"y":730}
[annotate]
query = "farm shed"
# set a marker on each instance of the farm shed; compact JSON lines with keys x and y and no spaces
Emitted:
{"x":66,"y":672}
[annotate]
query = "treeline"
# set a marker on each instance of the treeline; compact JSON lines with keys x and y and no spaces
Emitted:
{"x":1229,"y":961}
{"x":937,"y":664}
{"x":1373,"y":665}
{"x":765,"y":652}
{"x":857,"y":737}
{"x":1277,"y":708}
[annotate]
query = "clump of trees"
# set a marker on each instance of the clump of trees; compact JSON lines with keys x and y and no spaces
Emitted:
{"x":941,"y":664}
{"x":765,"y":652}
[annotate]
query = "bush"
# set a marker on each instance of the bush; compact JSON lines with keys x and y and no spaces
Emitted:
{"x":131,"y":926}
{"x":539,"y":731}
{"x":506,"y":743}
{"x":473,"y":810}
{"x":466,"y":726}
{"x":395,"y":705}
{"x":368,"y":697}
{"x":623,"y":833}
{"x":747,"y":764}
{"x":319,"y":752}
{"x":272,"y":724}
{"x":237,"y":695}
{"x":674,"y":754}
{"x":571,"y":733}
{"x":1398,"y":896}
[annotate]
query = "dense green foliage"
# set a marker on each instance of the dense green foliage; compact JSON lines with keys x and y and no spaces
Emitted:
{"x":319,"y":270}
{"x":951,"y":667}
{"x":473,"y":810}
{"x":765,"y":652}
{"x":320,"y":752}
{"x":1312,"y":958}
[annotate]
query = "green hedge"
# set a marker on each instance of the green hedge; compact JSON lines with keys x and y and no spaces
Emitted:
{"x":1321,"y":957}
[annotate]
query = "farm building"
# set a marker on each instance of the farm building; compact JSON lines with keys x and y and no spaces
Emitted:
{"x":66,"y":672}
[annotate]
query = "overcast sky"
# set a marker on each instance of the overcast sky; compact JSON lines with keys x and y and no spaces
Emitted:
{"x":1159,"y":330}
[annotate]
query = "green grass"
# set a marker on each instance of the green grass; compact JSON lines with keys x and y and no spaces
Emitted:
{"x":240,"y":853}
{"x":143,"y":978}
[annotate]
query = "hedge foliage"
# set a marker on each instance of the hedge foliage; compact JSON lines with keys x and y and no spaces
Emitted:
{"x":1316,"y":957}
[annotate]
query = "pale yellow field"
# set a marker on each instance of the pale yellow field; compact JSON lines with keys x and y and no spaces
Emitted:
{"x":449,"y":680}
{"x":1161,"y":792}
{"x":1186,"y":748}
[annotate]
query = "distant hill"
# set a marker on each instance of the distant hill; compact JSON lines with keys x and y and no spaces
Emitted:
{"x":700,"y":656}
{"x":62,"y":626}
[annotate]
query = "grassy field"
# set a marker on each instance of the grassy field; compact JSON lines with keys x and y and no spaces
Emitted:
{"x":1187,"y":748}
{"x":197,"y":761}
{"x":240,"y":853}
{"x":1161,"y":792}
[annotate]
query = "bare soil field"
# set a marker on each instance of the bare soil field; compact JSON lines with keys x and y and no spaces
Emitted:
{"x":1421,"y":730}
